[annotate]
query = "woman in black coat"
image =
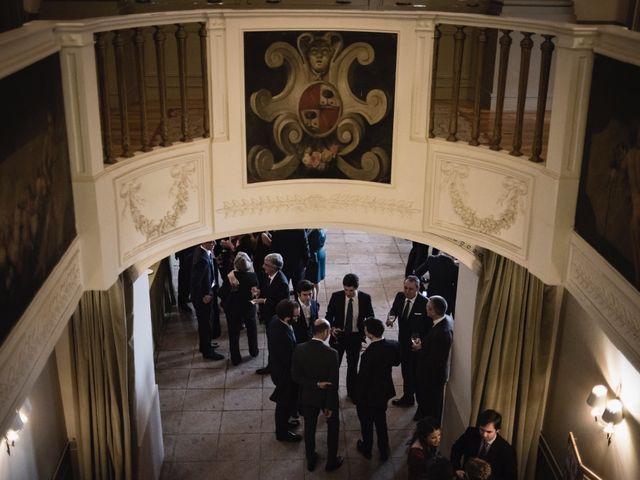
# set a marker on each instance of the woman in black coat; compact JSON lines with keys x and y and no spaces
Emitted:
{"x":238,"y":290}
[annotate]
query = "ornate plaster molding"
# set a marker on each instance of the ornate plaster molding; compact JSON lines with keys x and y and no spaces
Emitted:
{"x":130,"y":192}
{"x":512,"y":200}
{"x":278,"y":203}
{"x":32,"y":340}
{"x":472,"y":249}
{"x":611,"y":299}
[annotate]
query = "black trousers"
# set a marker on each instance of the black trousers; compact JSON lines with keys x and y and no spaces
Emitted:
{"x":370,"y":416}
{"x":430,"y":400}
{"x":234,"y":324}
{"x":203,"y":313}
{"x":351,"y":343}
{"x":333,"y":429}
{"x":184,"y":279}
{"x":408,"y":369}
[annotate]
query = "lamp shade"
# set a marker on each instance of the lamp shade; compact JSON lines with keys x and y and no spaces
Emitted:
{"x":597,"y":400}
{"x":613,"y":412}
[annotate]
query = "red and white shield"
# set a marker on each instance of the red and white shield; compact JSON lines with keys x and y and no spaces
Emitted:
{"x":319,"y":109}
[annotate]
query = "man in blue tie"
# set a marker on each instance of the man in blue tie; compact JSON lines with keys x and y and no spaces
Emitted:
{"x":282,"y":342}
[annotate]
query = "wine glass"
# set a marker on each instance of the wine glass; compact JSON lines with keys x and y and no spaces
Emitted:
{"x":255,"y":293}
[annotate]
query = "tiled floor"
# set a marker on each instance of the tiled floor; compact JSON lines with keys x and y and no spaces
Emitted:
{"x":217,"y":419}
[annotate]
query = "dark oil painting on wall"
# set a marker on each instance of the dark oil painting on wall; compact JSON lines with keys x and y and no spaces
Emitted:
{"x":319,"y":104}
{"x":608,"y":210}
{"x":37,"y":221}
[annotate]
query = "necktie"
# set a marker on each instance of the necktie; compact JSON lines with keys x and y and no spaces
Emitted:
{"x":484,"y":448}
{"x":405,"y":310}
{"x":348,"y":319}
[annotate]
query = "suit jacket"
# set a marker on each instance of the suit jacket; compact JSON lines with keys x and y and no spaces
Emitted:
{"x":237,"y":302}
{"x":336,"y":310}
{"x":501,"y":455}
{"x":313,"y":361}
{"x":273,"y":292}
{"x":433,"y":357}
{"x":203,"y":273}
{"x":293,"y":245}
{"x":281,"y":344}
{"x":303,"y":327}
{"x":374,"y":385}
{"x":443,"y":278}
{"x":417,"y":321}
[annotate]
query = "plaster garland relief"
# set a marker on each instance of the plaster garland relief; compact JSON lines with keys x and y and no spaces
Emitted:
{"x":604,"y":294}
{"x":154,"y":203}
{"x":315,"y":201}
{"x":511,"y":200}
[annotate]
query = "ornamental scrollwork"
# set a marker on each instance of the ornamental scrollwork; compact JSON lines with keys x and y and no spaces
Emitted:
{"x":302,"y":203}
{"x":512,"y":201}
{"x":316,"y":119}
{"x":130,"y":192}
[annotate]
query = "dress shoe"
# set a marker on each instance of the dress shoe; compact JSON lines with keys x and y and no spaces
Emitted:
{"x":362,"y":451}
{"x":289,"y":437}
{"x":312,"y":462}
{"x":215,"y":344}
{"x":291,"y":425}
{"x":336,"y":464}
{"x":213,"y":356}
{"x":263,"y":371}
{"x":403,"y":402}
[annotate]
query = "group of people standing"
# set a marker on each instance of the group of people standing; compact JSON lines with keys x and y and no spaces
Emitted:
{"x":306,"y":350}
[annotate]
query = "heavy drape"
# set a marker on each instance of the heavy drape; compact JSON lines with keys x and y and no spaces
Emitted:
{"x":513,"y":339}
{"x":100,"y":331}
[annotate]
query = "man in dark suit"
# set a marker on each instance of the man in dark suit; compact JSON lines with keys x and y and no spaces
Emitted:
{"x":309,"y":311}
{"x":432,"y":368}
{"x":203,"y":295}
{"x":410,"y":310}
{"x":485,"y":442}
{"x":185,"y":260}
{"x":443,"y":278}
{"x":293,"y":245}
{"x":315,"y":370}
{"x":346,"y":312}
{"x":274,"y":286}
{"x":374,"y":388}
{"x":282,"y":341}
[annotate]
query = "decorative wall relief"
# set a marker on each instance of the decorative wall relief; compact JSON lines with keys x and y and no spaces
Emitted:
{"x":608,"y":209}
{"x":159,"y":200}
{"x":482,"y":202}
{"x":305,"y":203}
{"x":36,"y":200}
{"x":509,"y":204}
{"x":319,"y":105}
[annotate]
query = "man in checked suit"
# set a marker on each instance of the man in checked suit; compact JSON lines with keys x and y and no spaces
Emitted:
{"x":203,"y":295}
{"x":374,"y":388}
{"x":309,"y":311}
{"x":315,"y":369}
{"x":432,"y":368}
{"x":410,"y":308}
{"x":346,"y":312}
{"x":485,"y":442}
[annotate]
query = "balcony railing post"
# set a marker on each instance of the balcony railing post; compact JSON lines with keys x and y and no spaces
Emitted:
{"x":103,"y":82}
{"x":159,"y":38}
{"x":181,"y":42}
{"x":138,"y":40}
{"x":525,"y":57}
{"x":505,"y":45}
{"x":121,"y":81}
{"x":204,"y":71}
{"x":434,"y":75}
{"x":543,"y":89}
{"x":458,"y":53}
{"x":475,"y":127}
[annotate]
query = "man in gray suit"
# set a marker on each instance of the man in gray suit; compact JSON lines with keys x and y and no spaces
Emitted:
{"x":315,"y":369}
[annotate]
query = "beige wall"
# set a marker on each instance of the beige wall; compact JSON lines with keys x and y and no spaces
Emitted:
{"x":37,"y":452}
{"x":586,"y":357}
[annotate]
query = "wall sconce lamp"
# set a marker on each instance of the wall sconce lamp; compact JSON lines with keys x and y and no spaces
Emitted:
{"x":21,"y":418}
{"x":610,"y":411}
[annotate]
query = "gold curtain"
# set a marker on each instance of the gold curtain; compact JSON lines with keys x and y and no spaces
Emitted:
{"x":513,"y":340}
{"x":102,"y":376}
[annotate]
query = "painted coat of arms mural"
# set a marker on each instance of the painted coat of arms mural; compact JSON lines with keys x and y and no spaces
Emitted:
{"x":319,"y":105}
